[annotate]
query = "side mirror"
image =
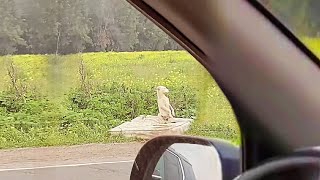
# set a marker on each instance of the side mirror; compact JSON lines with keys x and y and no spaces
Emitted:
{"x":186,"y":158}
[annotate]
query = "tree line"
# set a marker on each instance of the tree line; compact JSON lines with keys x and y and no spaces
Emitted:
{"x":72,"y":26}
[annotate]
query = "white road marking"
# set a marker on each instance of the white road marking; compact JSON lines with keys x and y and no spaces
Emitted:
{"x":67,"y":165}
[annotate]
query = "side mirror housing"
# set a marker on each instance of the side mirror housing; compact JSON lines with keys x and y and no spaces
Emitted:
{"x":185,"y":157}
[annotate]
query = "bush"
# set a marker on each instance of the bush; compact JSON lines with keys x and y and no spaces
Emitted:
{"x":116,"y":103}
{"x":76,"y":99}
{"x":39,"y":122}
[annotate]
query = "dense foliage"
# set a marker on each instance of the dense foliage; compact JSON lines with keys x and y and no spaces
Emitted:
{"x":72,"y":26}
{"x":72,"y":99}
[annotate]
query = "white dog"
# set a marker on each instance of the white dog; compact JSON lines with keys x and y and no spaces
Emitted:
{"x":166,"y":112}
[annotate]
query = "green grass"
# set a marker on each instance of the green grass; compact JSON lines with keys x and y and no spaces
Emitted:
{"x":58,"y":111}
{"x":13,"y":138}
{"x":313,"y":44}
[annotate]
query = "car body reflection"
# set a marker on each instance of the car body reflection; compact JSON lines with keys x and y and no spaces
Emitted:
{"x":173,"y":166}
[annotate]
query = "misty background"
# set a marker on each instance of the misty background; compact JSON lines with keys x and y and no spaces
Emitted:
{"x":72,"y":26}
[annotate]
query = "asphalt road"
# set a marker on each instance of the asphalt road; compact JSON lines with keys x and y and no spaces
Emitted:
{"x":99,"y":171}
{"x":94,"y":162}
{"x":82,"y":162}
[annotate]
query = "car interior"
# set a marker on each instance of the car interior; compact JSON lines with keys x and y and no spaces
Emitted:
{"x":267,"y":74}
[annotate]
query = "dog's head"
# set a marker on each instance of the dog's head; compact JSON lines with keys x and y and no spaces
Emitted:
{"x":162,"y":89}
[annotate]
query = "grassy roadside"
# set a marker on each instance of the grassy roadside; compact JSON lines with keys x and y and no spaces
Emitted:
{"x":62,"y":106}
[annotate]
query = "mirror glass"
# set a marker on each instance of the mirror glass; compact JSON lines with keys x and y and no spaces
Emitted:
{"x":188,"y":162}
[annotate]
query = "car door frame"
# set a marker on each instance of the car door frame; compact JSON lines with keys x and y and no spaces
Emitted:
{"x":254,"y":145}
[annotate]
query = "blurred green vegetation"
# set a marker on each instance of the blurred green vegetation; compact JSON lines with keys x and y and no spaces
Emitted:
{"x":75,"y":99}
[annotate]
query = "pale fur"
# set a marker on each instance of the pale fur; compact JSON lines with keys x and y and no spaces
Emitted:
{"x":166,"y":112}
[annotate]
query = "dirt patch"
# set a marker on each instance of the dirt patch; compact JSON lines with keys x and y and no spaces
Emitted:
{"x":52,"y":156}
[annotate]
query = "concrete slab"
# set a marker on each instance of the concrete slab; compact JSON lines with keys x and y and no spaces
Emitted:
{"x":147,"y":127}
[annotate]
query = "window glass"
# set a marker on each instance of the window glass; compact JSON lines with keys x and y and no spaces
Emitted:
{"x":301,"y":17}
{"x":73,"y":70}
{"x":188,"y":170}
{"x":172,"y":166}
{"x":159,"y":170}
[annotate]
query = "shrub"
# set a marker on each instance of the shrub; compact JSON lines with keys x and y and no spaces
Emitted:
{"x":117,"y":102}
{"x":76,"y":99}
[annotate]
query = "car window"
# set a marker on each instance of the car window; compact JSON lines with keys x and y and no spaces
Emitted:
{"x":301,"y":17}
{"x":159,"y":170}
{"x":172,"y":166}
{"x":188,"y":170}
{"x":73,"y":71}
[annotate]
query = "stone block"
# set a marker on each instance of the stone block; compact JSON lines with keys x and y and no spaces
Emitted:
{"x":147,"y":127}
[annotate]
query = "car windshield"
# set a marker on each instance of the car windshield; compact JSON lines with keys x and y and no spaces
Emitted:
{"x":301,"y":17}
